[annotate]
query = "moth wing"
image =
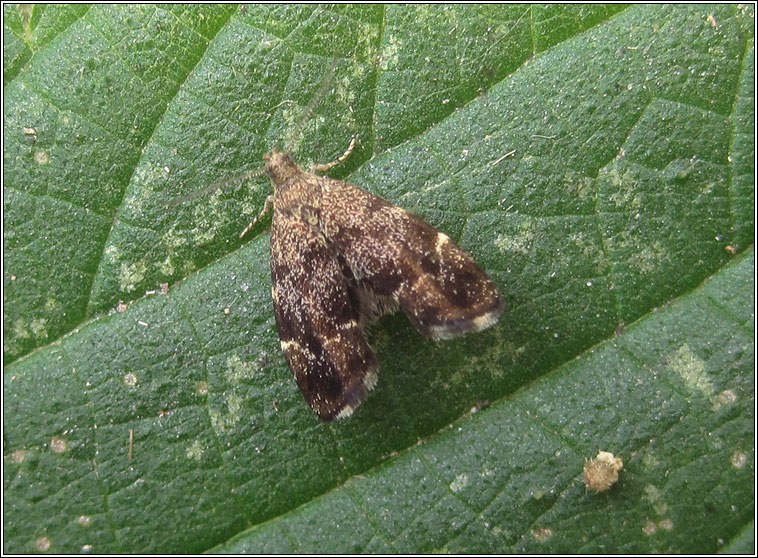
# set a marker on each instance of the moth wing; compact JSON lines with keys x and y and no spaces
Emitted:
{"x":318,"y":321}
{"x":397,"y":255}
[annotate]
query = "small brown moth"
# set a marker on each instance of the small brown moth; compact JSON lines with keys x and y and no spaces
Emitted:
{"x":340,"y":258}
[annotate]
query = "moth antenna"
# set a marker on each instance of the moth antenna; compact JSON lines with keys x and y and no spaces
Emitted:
{"x":229,"y":182}
{"x":493,"y":45}
{"x":220,"y":185}
{"x":315,"y":100}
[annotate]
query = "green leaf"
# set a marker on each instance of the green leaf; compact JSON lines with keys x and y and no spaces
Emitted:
{"x":673,"y":395}
{"x":598,"y":163}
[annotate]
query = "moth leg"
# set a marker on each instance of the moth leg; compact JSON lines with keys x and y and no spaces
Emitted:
{"x":269,"y":203}
{"x":326,"y":166}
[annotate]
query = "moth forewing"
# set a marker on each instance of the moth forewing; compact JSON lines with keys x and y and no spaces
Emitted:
{"x":397,"y":255}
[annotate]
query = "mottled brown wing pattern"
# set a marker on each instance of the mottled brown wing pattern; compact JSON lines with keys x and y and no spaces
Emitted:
{"x":318,"y":320}
{"x":398,"y":256}
{"x":340,"y":257}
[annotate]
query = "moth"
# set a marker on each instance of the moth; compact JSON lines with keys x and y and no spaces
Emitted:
{"x":341,"y":258}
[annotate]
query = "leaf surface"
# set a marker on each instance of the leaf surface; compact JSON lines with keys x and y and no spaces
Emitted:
{"x":597,"y":162}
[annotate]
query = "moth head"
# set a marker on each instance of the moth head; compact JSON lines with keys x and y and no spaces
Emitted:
{"x":279,"y":166}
